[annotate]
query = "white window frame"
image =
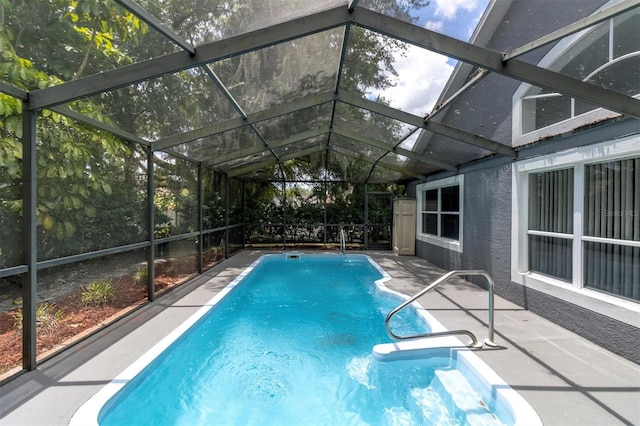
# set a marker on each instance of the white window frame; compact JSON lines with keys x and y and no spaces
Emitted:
{"x":621,"y":309}
{"x":455,"y":245}
{"x":575,"y":121}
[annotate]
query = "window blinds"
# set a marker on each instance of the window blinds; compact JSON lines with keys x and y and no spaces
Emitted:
{"x":612,"y":212}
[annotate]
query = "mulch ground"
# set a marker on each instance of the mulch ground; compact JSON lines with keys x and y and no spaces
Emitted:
{"x":78,"y":319}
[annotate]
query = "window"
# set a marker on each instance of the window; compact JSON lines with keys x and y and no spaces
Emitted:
{"x":550,"y":228}
{"x":607,"y":55}
{"x":577,"y":223}
{"x":440,"y":212}
{"x":611,"y":226}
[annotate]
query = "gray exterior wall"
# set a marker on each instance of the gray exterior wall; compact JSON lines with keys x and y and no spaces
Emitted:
{"x":487,"y":195}
{"x":438,"y":255}
{"x":487,"y":221}
{"x":486,"y":227}
{"x":487,"y":241}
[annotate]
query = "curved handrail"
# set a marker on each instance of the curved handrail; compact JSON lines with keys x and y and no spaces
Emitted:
{"x":342,"y":241}
{"x":474,"y":341}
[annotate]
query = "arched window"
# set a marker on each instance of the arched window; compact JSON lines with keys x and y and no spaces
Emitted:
{"x":607,"y":55}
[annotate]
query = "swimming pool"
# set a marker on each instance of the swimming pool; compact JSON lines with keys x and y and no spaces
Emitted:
{"x":293,"y":345}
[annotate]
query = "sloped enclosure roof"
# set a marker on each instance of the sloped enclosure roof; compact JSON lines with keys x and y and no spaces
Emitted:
{"x":296,"y":90}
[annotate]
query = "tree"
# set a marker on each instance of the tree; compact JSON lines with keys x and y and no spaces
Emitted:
{"x":176,"y":196}
{"x":47,"y":42}
{"x":69,"y":39}
{"x":78,"y":166}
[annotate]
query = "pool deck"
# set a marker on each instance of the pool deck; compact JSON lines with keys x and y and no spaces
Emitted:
{"x":566,"y":379}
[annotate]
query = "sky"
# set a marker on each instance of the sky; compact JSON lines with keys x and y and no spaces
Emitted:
{"x":422,"y":74}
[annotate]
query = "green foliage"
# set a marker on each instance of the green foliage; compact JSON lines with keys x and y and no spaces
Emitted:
{"x":213,"y":187}
{"x":91,"y":189}
{"x":78,"y":168}
{"x":264,"y":203}
{"x":141,"y":276}
{"x":344,"y":203}
{"x":70,"y":38}
{"x":48,"y":318}
{"x":236,"y":213}
{"x":176,"y":196}
{"x":98,"y":293}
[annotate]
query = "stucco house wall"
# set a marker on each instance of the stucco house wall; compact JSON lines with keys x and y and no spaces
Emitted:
{"x":488,"y":184}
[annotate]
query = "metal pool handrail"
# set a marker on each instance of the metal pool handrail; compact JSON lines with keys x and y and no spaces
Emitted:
{"x":474,"y":341}
{"x":342,"y":241}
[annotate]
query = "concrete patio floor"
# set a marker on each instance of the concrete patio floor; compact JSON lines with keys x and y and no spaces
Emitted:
{"x":566,"y":379}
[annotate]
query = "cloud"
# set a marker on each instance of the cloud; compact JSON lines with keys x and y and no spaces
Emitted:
{"x":422,"y":74}
{"x":455,"y":18}
{"x":449,"y":8}
{"x":437,"y":26}
{"x":421,"y":77}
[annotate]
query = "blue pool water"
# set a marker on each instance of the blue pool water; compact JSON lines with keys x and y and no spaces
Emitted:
{"x":290,"y":345}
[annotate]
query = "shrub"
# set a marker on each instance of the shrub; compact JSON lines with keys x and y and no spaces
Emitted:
{"x":48,"y":317}
{"x":141,"y":277}
{"x":98,"y":293}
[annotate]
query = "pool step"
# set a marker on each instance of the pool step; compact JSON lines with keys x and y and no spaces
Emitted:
{"x":450,"y":399}
{"x":427,"y":407}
